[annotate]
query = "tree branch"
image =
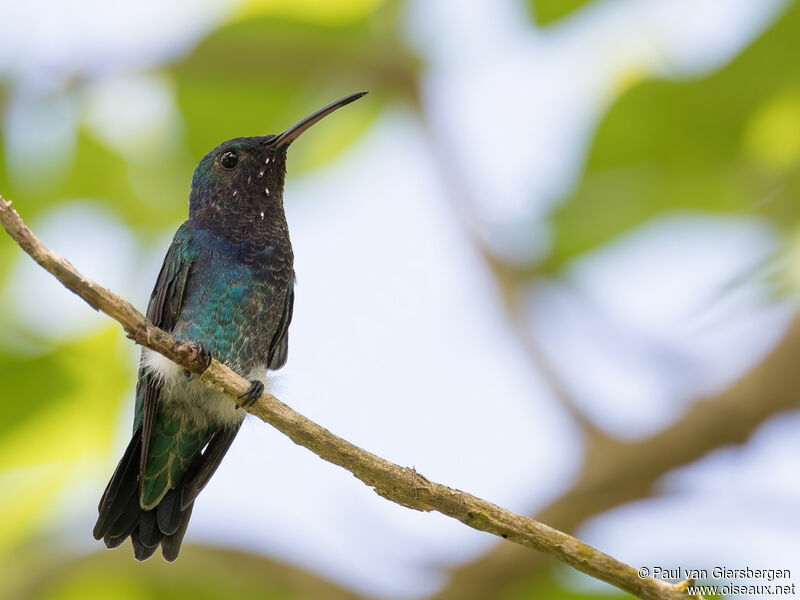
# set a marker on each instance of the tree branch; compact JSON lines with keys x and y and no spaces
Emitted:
{"x":398,"y":484}
{"x":616,"y":472}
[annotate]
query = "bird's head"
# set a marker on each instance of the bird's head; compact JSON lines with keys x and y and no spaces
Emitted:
{"x":242,"y":178}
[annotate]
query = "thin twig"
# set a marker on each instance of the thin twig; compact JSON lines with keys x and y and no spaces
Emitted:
{"x":398,"y":484}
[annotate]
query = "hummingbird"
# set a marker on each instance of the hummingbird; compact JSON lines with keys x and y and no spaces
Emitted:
{"x":227,"y":284}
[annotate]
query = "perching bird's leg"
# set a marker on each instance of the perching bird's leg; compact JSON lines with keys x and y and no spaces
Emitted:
{"x":252,"y":394}
{"x":205,"y":355}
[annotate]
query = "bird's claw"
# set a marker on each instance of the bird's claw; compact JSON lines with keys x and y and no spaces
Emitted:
{"x":252,"y":394}
{"x":204,"y":354}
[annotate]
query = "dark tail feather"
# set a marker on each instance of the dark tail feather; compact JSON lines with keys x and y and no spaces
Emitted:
{"x":121,"y":514}
{"x":142,"y":551}
{"x":149,"y":534}
{"x":171,"y":544}
{"x":127,"y":520}
{"x":112,"y":541}
{"x":168,"y":512}
{"x":123,"y":485}
{"x":206,"y":464}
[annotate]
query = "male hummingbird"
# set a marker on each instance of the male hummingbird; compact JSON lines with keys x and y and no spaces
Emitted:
{"x":227,"y":283}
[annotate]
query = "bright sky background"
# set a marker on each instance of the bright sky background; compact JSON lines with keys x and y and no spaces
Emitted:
{"x":398,"y":343}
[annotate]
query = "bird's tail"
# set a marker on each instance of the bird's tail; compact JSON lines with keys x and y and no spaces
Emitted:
{"x":121,"y":514}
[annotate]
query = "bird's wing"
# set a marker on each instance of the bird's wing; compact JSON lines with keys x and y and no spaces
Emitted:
{"x":120,"y":508}
{"x":206,"y":464}
{"x":165,"y":306}
{"x":279,"y":346}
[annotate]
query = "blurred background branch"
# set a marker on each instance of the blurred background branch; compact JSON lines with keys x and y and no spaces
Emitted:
{"x":616,"y":472}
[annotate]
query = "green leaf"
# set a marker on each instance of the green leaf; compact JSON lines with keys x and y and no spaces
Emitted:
{"x":546,"y":12}
{"x":727,"y":143}
{"x":59,"y":413}
{"x":67,"y":400}
{"x":23,"y":379}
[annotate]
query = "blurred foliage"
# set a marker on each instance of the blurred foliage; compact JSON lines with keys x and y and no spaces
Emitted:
{"x":546,"y":12}
{"x":726,"y":143}
{"x":74,"y":390}
{"x":200,"y":574}
{"x":321,"y":12}
{"x":548,"y":585}
{"x":61,"y":413}
{"x":251,"y":77}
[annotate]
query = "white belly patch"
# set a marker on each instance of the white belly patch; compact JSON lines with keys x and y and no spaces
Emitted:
{"x":190,"y":399}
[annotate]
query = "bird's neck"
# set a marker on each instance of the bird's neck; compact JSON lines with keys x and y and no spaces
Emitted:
{"x":256,"y":225}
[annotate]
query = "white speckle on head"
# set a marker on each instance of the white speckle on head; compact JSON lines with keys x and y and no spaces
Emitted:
{"x":260,"y":174}
{"x":266,"y":162}
{"x":266,"y":191}
{"x":262,"y":215}
{"x":249,"y":178}
{"x":235,"y":193}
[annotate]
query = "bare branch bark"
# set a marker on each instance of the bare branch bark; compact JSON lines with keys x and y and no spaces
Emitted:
{"x":398,"y":484}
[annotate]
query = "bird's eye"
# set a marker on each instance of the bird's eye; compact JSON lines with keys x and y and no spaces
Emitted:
{"x":229,"y":159}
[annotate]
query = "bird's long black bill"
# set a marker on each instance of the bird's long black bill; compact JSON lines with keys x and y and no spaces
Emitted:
{"x":296,"y":130}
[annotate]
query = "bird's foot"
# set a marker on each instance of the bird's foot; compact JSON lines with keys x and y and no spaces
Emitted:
{"x":252,"y":394}
{"x":204,"y":354}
